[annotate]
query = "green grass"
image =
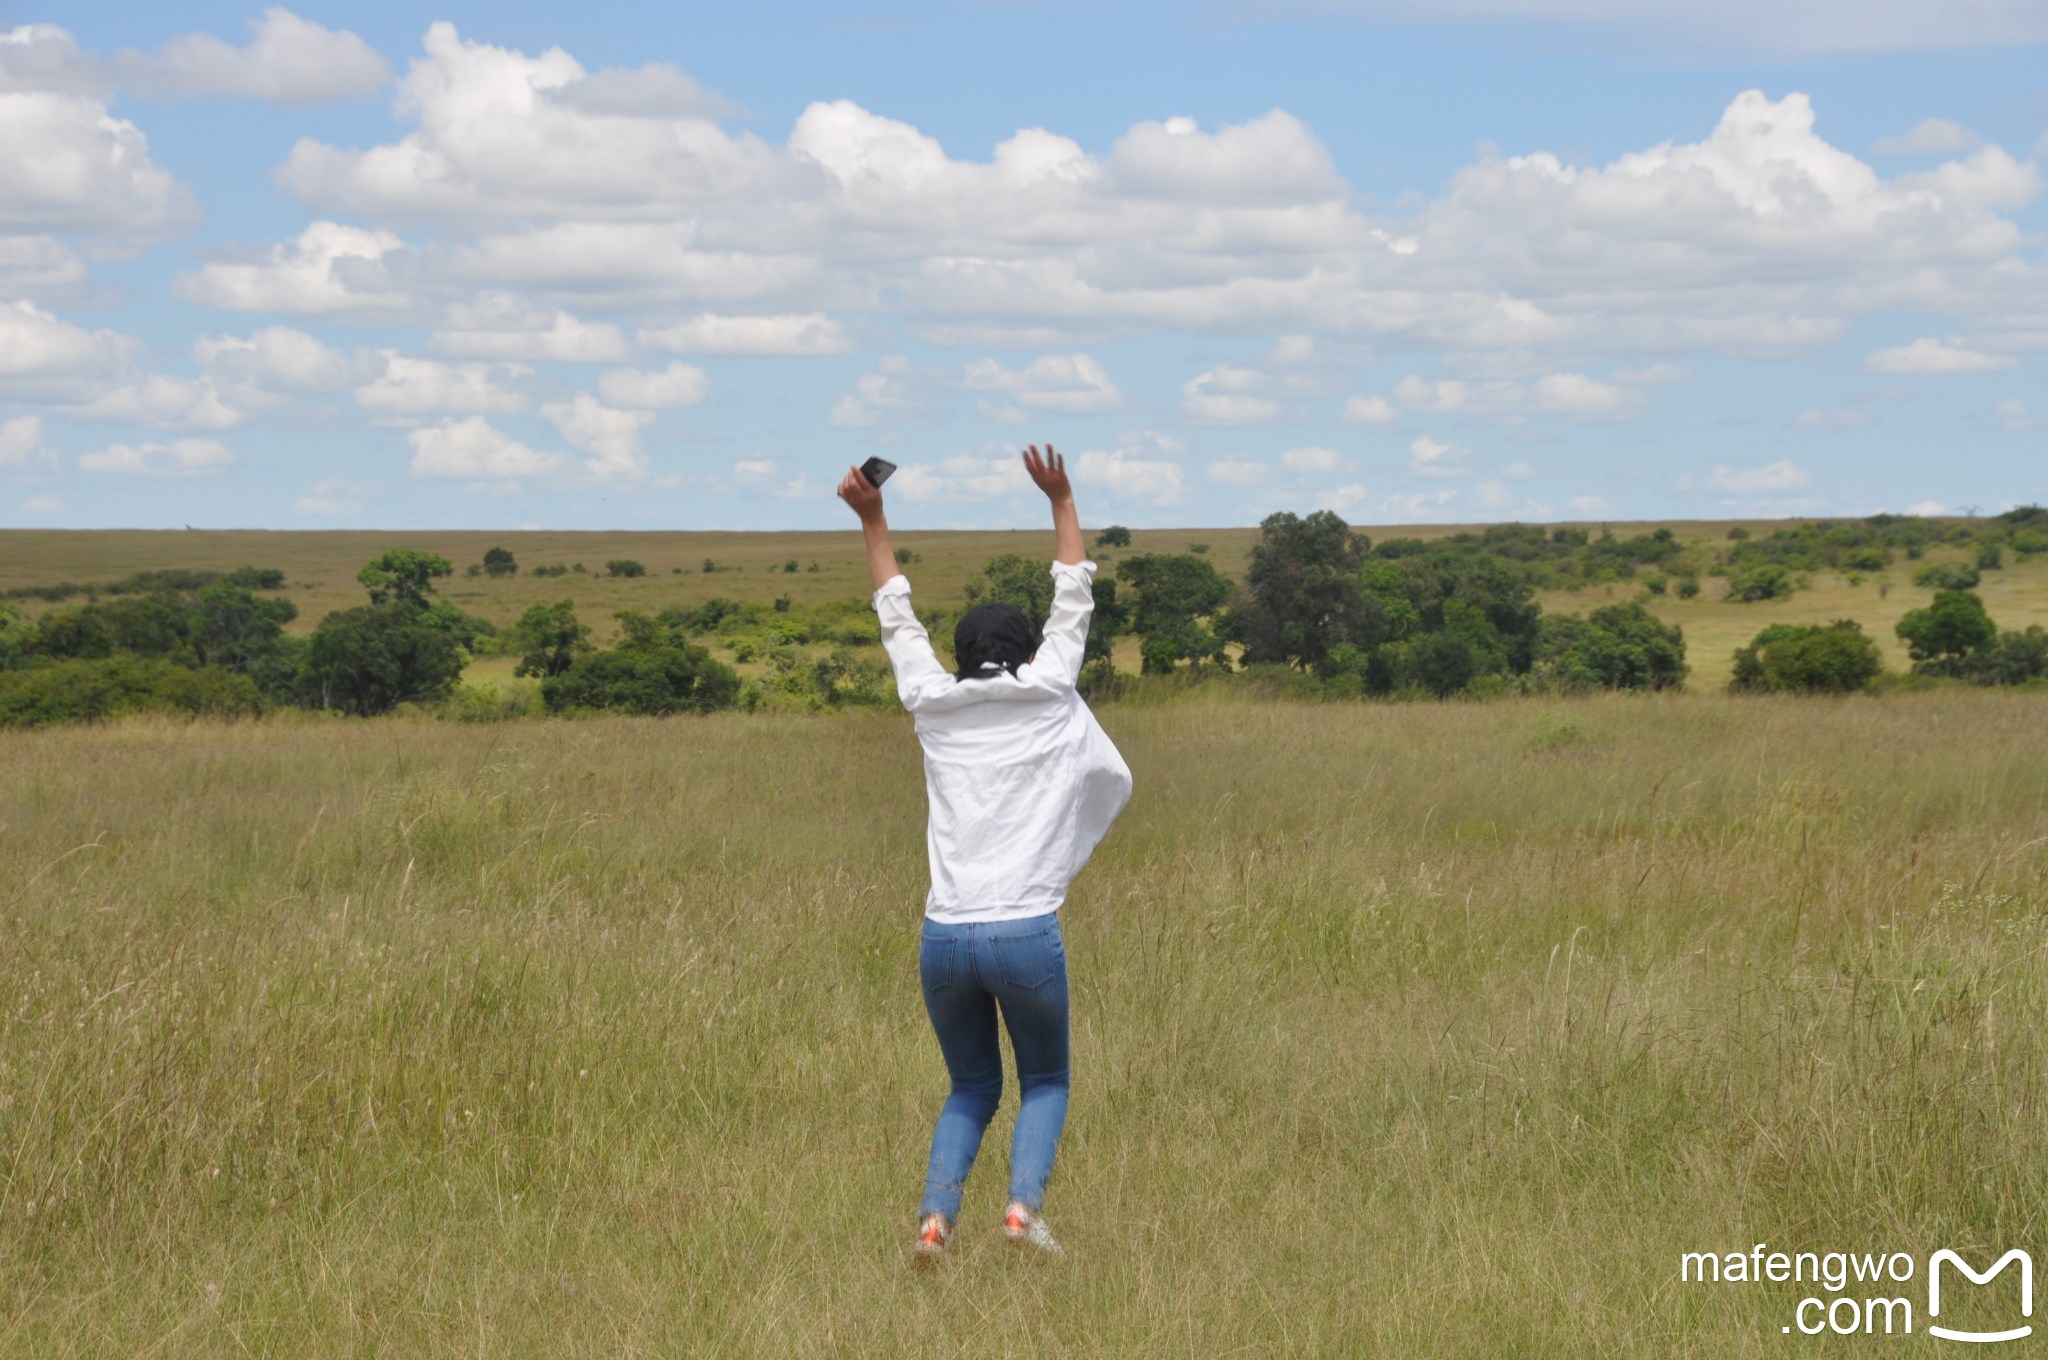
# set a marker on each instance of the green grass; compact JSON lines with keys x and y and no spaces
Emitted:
{"x":1407,"y":1030}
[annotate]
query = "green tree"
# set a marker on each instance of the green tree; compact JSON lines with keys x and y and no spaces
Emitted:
{"x":624,"y":566}
{"x":1940,"y":636}
{"x":236,"y":629}
{"x":500,"y":562}
{"x":1762,"y":581}
{"x":1018,"y":580}
{"x":1834,"y":658}
{"x":15,"y":633}
{"x":373,"y":658}
{"x":403,"y":576}
{"x":1172,"y":598}
{"x":549,"y":639}
{"x":652,"y":670}
{"x":1302,"y":594}
{"x":1115,"y":536}
{"x":1621,"y":646}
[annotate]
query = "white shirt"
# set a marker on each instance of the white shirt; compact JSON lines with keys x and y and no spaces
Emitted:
{"x":1023,"y":782}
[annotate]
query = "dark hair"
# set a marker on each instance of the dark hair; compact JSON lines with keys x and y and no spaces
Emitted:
{"x":991,"y":639}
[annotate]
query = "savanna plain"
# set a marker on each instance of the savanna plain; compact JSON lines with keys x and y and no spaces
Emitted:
{"x":1416,"y":1029}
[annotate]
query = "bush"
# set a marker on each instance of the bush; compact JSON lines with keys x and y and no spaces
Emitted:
{"x":1835,"y":658}
{"x":2010,"y":659}
{"x":1622,"y":646}
{"x":622,"y":566}
{"x":1115,"y":536}
{"x":548,"y":639}
{"x":1688,"y":587}
{"x":1946,"y":576}
{"x":644,"y":678}
{"x":500,"y":562}
{"x":1762,"y":581}
{"x":493,"y":703}
{"x":95,"y":690}
{"x":1990,"y":557}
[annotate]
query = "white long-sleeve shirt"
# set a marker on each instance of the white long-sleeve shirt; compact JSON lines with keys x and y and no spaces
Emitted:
{"x":1023,"y":782}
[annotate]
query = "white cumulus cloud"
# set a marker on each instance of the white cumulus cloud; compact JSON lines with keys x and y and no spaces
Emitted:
{"x":288,"y":60}
{"x":326,"y":268}
{"x":473,"y":450}
{"x":179,"y":458}
{"x":1930,"y":356}
{"x":679,"y":384}
{"x":416,"y":387}
{"x":505,"y":326}
{"x":1769,"y":479}
{"x":1072,"y":384}
{"x":1929,"y":136}
{"x":1229,"y":395}
{"x":812,"y":333}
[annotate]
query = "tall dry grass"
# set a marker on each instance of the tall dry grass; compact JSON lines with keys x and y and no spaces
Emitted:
{"x":1401,"y":1030}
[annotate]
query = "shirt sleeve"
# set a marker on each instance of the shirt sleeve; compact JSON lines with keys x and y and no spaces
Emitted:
{"x":917,"y":666}
{"x":1065,"y":639}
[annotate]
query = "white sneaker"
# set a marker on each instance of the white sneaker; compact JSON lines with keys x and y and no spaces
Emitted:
{"x":1026,"y":1229}
{"x":934,"y":1235}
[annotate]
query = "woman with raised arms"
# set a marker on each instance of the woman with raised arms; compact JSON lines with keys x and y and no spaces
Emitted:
{"x":1022,"y":784}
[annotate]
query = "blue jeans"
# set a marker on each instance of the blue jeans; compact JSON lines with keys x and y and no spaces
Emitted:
{"x":968,"y":970}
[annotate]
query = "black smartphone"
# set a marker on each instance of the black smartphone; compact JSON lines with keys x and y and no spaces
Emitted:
{"x":877,"y":470}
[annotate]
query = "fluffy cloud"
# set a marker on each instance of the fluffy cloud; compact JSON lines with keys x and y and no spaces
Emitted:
{"x":1229,"y":395}
{"x":163,"y":401}
{"x":21,"y":443}
{"x":1929,"y":136}
{"x":1240,"y":471}
{"x":289,"y":60}
{"x":180,"y":458}
{"x":679,"y":384}
{"x":278,"y":358}
{"x":763,"y":474}
{"x":1128,"y":474}
{"x":46,"y":57}
{"x":613,"y":436}
{"x":810,"y":334}
{"x":1370,"y":411}
{"x":882,"y":397}
{"x":1572,"y":396}
{"x":1434,"y":458}
{"x":70,"y":166}
{"x":326,"y":268}
{"x":473,"y":450}
{"x":1072,"y":384}
{"x":1930,"y":356}
{"x":505,"y":326}
{"x":1312,"y":459}
{"x":993,"y":472}
{"x":416,"y":387}
{"x":1812,"y":27}
{"x":624,"y":189}
{"x":34,"y":343}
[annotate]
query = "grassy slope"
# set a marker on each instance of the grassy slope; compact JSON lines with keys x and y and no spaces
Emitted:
{"x":321,"y":567}
{"x":1417,"y":1030}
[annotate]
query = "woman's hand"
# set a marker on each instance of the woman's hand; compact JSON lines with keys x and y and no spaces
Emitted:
{"x":1049,"y":470}
{"x":864,"y":496}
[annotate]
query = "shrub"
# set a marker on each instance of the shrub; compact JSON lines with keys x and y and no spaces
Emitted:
{"x":644,"y":677}
{"x":548,"y":639}
{"x":1621,"y":646}
{"x":904,"y":557}
{"x":1835,"y":658}
{"x":1990,"y":557}
{"x":622,"y":566}
{"x":1115,"y":536}
{"x":500,"y":562}
{"x":1688,"y":587}
{"x":1946,"y":576}
{"x":1762,"y":581}
{"x":2012,"y":658}
{"x":98,"y":689}
{"x":493,"y":703}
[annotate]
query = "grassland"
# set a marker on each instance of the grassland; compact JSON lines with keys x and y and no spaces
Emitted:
{"x":321,"y":568}
{"x":1405,"y":1030}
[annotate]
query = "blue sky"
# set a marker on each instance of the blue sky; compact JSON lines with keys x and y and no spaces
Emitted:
{"x":596,"y":267}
